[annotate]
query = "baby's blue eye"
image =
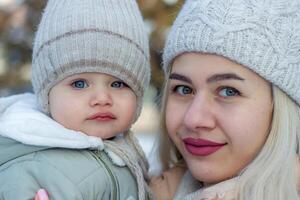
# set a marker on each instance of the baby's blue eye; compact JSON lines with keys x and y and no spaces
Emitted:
{"x":183,"y":90}
{"x":229,"y":92}
{"x":118,"y":84}
{"x":80,"y":84}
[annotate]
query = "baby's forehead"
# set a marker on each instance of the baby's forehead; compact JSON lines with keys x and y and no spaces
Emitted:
{"x":94,"y":75}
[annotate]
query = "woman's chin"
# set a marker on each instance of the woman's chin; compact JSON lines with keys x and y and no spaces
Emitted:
{"x":209,"y":176}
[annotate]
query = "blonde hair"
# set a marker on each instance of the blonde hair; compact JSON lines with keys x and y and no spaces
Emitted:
{"x":168,"y":153}
{"x":271,"y":175}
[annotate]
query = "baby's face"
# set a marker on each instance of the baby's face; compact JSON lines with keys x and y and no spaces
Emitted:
{"x":96,"y":104}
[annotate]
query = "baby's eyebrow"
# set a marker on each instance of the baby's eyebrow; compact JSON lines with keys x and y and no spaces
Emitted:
{"x":180,"y":78}
{"x":222,"y":77}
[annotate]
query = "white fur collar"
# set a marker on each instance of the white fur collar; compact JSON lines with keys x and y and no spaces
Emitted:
{"x":21,"y":120}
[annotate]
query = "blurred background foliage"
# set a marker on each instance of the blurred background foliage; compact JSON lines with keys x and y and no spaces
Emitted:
{"x":19,"y":20}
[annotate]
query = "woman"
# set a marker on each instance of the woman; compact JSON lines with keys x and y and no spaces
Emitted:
{"x":231,"y":101}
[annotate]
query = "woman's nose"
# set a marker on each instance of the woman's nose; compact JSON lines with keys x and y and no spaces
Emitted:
{"x":101,"y":98}
{"x":200,"y":114}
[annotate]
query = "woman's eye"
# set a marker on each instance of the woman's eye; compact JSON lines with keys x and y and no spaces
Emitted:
{"x":183,"y":90}
{"x":228,"y":92}
{"x":118,"y":84}
{"x":80,"y":84}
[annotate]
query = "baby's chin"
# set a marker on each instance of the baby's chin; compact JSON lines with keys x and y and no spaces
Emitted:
{"x":100,"y":134}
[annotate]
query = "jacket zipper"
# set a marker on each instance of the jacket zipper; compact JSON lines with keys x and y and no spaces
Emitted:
{"x":115,"y":189}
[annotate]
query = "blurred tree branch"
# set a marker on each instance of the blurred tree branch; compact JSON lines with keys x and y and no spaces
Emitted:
{"x":18,"y":25}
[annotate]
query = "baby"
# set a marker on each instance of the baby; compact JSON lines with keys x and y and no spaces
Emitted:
{"x":89,"y":73}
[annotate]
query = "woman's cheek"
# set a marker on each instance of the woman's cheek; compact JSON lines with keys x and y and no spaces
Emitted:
{"x":174,"y":116}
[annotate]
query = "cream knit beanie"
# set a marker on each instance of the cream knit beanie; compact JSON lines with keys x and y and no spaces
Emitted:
{"x":76,"y":36}
{"x":262,"y":35}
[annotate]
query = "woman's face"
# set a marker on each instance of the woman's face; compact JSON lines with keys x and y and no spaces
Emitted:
{"x":218,"y":114}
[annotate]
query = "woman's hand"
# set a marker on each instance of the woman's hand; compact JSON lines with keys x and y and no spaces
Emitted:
{"x":41,"y":195}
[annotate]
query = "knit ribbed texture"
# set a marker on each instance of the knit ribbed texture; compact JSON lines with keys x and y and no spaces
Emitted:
{"x":76,"y":36}
{"x":191,"y":189}
{"x":262,"y":35}
{"x":132,"y":154}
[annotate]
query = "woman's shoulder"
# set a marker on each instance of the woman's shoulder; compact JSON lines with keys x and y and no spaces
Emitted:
{"x":165,"y":185}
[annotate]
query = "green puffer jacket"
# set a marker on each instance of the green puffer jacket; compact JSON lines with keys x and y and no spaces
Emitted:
{"x":37,"y":152}
{"x":66,"y":174}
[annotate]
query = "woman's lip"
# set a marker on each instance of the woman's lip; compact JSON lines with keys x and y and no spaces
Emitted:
{"x":201,"y":147}
{"x":201,"y":142}
{"x":102,"y":117}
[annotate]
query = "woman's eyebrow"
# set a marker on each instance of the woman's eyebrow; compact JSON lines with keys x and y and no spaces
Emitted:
{"x":222,"y":77}
{"x":180,"y":78}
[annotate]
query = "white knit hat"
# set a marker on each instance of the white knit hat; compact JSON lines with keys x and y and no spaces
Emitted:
{"x":76,"y":36}
{"x":262,"y":35}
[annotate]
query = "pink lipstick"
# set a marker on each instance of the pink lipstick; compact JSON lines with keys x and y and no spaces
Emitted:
{"x":102,"y":117}
{"x":201,"y":147}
